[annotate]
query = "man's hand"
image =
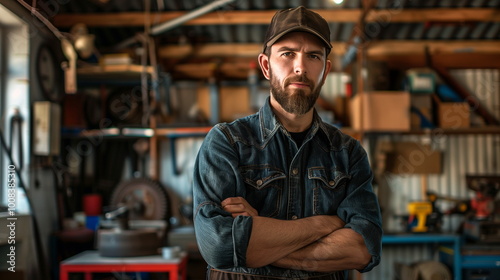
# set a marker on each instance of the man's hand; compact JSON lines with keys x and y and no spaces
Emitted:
{"x":238,"y":206}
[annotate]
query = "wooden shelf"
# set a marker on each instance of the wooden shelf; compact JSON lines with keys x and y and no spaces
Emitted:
{"x":114,"y":69}
{"x":124,"y":74}
{"x":178,"y":132}
{"x":451,"y":131}
{"x":469,"y":130}
{"x":434,"y":131}
{"x":183,"y":132}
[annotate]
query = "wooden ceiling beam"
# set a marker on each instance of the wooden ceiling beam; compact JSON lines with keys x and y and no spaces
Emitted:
{"x":447,"y":15}
{"x":396,"y":47}
{"x":223,"y":50}
{"x":451,"y":60}
{"x":210,"y":50}
{"x":237,"y":68}
{"x":376,"y":48}
{"x":264,"y":17}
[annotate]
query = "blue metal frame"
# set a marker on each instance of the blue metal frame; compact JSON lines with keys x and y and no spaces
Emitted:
{"x":481,"y":261}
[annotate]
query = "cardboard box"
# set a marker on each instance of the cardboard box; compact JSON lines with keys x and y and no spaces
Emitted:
{"x":410,"y":158}
{"x":234,"y":102}
{"x":381,"y":111}
{"x":452,"y":114}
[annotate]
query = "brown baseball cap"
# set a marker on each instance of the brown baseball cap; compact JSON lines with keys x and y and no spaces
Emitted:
{"x":297,"y":19}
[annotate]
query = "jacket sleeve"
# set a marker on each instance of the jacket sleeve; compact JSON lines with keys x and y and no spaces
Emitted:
{"x":222,"y":239}
{"x":360,"y":209}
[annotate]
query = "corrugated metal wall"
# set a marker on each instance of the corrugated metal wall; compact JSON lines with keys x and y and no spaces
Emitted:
{"x":462,"y":154}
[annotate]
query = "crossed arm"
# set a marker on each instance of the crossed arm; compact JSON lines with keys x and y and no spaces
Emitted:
{"x":317,"y":243}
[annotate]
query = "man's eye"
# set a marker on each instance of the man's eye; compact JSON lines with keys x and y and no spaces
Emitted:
{"x":314,"y":56}
{"x":286,"y":54}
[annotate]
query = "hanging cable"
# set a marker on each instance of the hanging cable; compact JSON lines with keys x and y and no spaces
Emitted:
{"x":36,"y":230}
{"x":144,"y":62}
{"x":43,"y":19}
{"x":16,"y":123}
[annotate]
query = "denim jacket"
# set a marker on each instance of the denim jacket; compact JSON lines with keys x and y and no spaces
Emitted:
{"x":255,"y":158}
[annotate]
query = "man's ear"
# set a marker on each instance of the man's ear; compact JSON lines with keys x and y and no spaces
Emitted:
{"x":328,"y":66}
{"x":264,"y":64}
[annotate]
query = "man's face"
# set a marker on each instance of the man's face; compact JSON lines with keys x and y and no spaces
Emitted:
{"x":297,"y":70}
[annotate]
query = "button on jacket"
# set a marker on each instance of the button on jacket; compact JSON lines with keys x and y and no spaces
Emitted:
{"x":256,"y":158}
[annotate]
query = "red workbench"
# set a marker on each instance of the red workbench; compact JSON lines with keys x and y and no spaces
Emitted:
{"x":89,"y":262}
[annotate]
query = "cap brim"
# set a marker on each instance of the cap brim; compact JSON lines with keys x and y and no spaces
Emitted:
{"x":297,"y":28}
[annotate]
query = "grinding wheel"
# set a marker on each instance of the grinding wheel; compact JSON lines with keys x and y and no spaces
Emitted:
{"x":145,"y":198}
{"x":128,"y":243}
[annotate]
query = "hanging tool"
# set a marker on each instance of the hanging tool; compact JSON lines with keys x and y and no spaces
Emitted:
{"x":486,"y":189}
{"x":484,"y":223}
{"x":16,"y":123}
{"x":419,"y":210}
{"x":424,"y":216}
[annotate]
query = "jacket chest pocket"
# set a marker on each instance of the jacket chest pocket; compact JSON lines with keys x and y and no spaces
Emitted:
{"x":264,"y":187}
{"x":328,"y":189}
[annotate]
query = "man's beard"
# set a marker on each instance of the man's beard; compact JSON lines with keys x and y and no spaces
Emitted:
{"x":294,"y":101}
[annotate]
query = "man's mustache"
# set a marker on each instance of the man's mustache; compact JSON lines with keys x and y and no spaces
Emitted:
{"x":299,"y":79}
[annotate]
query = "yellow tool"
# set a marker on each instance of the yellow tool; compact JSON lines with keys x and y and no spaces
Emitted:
{"x":420,"y":210}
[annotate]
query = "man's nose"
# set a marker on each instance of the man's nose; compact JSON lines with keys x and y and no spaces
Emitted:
{"x":299,"y":65}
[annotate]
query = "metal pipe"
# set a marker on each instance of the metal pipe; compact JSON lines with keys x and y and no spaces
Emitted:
{"x":351,"y":52}
{"x":160,"y":28}
{"x":117,"y":212}
{"x":213,"y":89}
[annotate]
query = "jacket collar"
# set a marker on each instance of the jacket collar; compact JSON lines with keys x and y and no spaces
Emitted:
{"x":269,"y":124}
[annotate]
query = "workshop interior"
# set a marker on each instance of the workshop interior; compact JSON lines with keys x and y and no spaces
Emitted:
{"x":105,"y":103}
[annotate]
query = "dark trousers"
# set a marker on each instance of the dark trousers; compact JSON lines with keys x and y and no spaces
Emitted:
{"x":214,"y":274}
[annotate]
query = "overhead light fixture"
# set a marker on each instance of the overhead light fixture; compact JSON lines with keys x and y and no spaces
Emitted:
{"x":101,"y":2}
{"x":82,"y":40}
{"x":338,"y":2}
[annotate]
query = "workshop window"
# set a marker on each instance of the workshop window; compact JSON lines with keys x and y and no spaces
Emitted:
{"x":14,"y":109}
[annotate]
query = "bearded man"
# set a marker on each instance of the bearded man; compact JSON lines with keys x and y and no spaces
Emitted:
{"x":281,"y":194}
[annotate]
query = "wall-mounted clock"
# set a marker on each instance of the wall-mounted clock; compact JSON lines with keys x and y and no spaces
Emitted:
{"x":49,"y":74}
